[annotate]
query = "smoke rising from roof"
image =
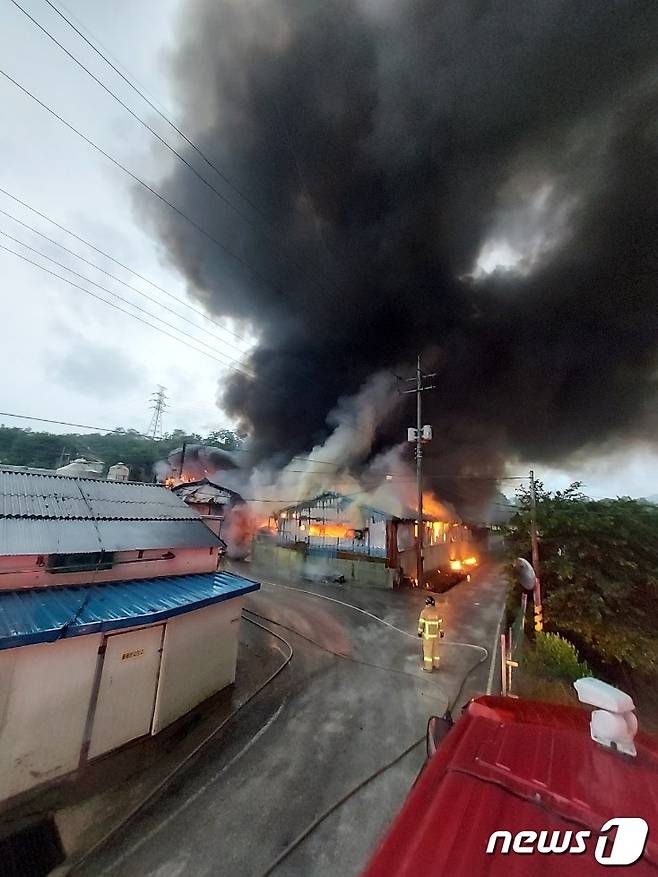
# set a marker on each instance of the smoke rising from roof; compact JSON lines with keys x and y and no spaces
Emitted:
{"x":399,"y":152}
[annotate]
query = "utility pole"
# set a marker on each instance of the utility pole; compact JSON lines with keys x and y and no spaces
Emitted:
{"x":420,"y":572}
{"x":534,"y":542}
{"x":159,"y":406}
{"x":419,"y":435}
{"x":182,"y":461}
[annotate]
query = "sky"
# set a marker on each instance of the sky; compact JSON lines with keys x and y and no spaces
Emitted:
{"x":67,"y":356}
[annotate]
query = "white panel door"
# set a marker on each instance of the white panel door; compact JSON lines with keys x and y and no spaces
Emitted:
{"x":126,"y":693}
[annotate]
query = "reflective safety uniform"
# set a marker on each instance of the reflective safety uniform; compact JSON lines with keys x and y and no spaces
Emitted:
{"x":429,"y":625}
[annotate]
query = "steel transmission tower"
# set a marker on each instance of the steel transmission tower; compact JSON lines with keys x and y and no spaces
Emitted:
{"x":158,"y":407}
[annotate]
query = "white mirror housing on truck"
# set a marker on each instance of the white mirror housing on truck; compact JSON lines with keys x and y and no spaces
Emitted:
{"x":613,"y":723}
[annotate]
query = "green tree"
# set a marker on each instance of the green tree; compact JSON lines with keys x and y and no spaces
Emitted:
{"x":599,"y":575}
{"x":226,"y":439}
{"x":44,"y":450}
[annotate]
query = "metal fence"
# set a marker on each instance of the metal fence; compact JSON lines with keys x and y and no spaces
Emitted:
{"x":512,"y":644}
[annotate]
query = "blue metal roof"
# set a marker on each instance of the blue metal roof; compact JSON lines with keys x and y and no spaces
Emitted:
{"x":44,"y":615}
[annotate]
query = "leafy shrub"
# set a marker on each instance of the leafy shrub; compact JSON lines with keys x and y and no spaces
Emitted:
{"x":599,"y":576}
{"x":554,"y":657}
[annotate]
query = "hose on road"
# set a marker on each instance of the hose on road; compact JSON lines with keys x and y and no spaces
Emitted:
{"x":320,"y":819}
{"x":283,"y":855}
{"x":383,"y":621}
{"x":336,"y":654}
{"x":159,"y":788}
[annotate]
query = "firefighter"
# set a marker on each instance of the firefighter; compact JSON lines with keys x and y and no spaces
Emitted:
{"x":429,"y":627}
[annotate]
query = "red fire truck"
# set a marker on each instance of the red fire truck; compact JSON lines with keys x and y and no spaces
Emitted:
{"x":521,"y":787}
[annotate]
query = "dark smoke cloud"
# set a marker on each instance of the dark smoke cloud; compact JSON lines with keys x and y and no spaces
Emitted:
{"x":194,"y":461}
{"x":386,"y":144}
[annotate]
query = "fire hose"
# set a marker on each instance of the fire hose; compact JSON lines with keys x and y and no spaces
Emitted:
{"x":389,"y":764}
{"x":351,"y":792}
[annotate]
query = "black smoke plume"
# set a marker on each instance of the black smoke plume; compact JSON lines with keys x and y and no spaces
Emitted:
{"x":391,"y":147}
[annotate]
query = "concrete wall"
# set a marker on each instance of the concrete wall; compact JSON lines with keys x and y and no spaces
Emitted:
{"x":266,"y":554}
{"x":435,"y":557}
{"x":198,"y":658}
{"x":365,"y":573}
{"x":44,"y":698}
{"x":46,"y":691}
{"x":358,"y":571}
{"x":213,"y":522}
{"x":25,"y":572}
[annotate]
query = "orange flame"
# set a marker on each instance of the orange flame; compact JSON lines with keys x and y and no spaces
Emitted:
{"x":431,"y":506}
{"x":171,"y":481}
{"x":337,"y":531}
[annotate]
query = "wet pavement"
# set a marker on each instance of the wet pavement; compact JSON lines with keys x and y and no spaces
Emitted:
{"x":352,"y":698}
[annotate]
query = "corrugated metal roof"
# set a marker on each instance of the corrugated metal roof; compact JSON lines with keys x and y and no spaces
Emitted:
{"x":23,"y":495}
{"x":20,"y":536}
{"x":126,"y":536}
{"x":367,"y":511}
{"x":44,"y":615}
{"x":514,"y":765}
{"x":50,"y":514}
{"x":206,"y":493}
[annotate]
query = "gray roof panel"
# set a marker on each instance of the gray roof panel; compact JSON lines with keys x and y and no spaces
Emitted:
{"x":109,"y":509}
{"x":46,"y":536}
{"x":20,"y":536}
{"x":25,"y":495}
{"x":120,"y":536}
{"x":50,"y":514}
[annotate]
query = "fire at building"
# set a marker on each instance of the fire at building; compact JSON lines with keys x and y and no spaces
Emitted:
{"x":197,"y":474}
{"x":345,"y":538}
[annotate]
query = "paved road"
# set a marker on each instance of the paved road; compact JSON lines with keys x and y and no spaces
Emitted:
{"x":322,"y":726}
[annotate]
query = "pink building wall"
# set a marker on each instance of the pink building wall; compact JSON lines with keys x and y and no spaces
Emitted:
{"x":30,"y":571}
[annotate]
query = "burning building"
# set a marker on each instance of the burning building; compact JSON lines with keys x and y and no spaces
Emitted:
{"x":201,"y":474}
{"x":193,"y":462}
{"x":214,"y":502}
{"x":344,"y":537}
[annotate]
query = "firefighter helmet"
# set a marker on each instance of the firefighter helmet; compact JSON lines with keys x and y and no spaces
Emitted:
{"x":429,"y":601}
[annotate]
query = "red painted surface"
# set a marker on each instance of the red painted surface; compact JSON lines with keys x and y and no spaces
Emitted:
{"x":519,"y":765}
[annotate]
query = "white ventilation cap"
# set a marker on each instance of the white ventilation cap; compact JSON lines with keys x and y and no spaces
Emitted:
{"x":603,"y":696}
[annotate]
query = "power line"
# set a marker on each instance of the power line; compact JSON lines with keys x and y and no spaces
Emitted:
{"x":121,"y":102}
{"x":141,"y":435}
{"x":109,"y":274}
{"x":116,"y":307}
{"x":229,"y":252}
{"x":460,"y":477}
{"x":137,"y":117}
{"x":117,"y":262}
{"x":124,"y":300}
{"x":512,"y":508}
{"x":150,"y":103}
{"x":64,"y":423}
